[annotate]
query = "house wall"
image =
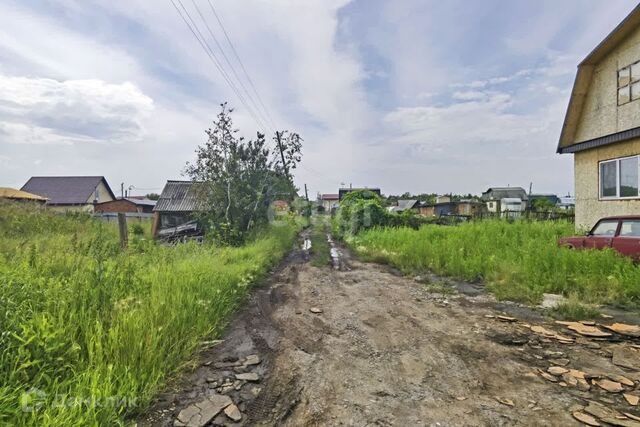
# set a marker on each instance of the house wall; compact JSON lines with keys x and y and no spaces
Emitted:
{"x":601,"y":114}
{"x":328,"y":205}
{"x":589,"y":207}
{"x":101,"y":193}
{"x":118,"y":206}
{"x":427,"y":211}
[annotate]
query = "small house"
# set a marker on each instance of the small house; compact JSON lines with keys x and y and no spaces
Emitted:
{"x":469,"y":207}
{"x":602,"y":126}
{"x":71,"y":193}
{"x":329,"y":202}
{"x":178,"y":204}
{"x":493,"y":196}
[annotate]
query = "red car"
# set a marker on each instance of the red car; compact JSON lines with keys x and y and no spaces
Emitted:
{"x":621,"y":233}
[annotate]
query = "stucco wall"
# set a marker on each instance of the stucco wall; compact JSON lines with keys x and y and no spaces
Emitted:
{"x":588,"y":206}
{"x":103,"y":194}
{"x":601,"y":114}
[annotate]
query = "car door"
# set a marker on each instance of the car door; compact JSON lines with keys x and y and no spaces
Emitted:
{"x":627,"y":242}
{"x":602,"y":234}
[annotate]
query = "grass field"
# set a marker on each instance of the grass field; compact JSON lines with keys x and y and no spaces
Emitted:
{"x":518,"y":261}
{"x":90,"y":333}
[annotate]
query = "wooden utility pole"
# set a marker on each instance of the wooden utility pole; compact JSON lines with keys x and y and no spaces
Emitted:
{"x":306,"y":194}
{"x":122,"y":227}
{"x":281,"y":149}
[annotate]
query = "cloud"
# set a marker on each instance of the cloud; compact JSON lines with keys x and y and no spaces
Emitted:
{"x":47,"y":111}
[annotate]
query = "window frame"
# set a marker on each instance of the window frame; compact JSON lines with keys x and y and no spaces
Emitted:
{"x":617,"y":196}
{"x":630,"y":83}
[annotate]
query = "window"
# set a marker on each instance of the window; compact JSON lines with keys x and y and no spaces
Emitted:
{"x":619,"y":178}
{"x":629,"y":83}
{"x":630,"y":228}
{"x":605,"y":228}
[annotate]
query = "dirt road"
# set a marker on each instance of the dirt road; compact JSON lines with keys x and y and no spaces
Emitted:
{"x":363,"y":346}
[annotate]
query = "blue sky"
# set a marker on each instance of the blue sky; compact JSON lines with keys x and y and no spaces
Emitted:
{"x":408,"y":95}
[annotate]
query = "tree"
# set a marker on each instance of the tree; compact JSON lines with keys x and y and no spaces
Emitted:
{"x":238,"y":179}
{"x":152,"y":196}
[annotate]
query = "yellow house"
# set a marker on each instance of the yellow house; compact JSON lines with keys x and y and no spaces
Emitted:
{"x":602,"y":126}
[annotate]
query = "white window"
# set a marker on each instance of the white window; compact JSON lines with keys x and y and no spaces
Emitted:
{"x":629,"y":83}
{"x":619,"y":178}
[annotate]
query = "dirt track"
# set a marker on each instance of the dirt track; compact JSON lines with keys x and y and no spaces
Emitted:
{"x":386,"y":351}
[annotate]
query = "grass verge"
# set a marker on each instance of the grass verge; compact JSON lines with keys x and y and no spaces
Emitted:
{"x":88,"y":333}
{"x":320,"y":248}
{"x":518,"y":261}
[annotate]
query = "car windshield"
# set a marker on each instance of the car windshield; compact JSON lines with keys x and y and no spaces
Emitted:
{"x":605,"y":228}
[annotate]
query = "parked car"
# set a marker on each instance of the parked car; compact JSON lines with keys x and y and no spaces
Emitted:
{"x":621,"y":233}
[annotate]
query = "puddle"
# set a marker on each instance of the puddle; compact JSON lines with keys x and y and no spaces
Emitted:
{"x":336,"y":254}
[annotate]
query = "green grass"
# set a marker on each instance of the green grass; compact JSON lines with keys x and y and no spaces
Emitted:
{"x":518,"y":261}
{"x":574,"y":309}
{"x":81,"y":320}
{"x":320,"y":248}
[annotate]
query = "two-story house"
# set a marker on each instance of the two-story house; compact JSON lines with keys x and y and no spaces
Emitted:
{"x":602,"y":126}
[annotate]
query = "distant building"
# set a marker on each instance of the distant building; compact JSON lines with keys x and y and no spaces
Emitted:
{"x":567,"y":203}
{"x":443,"y":199}
{"x":280,"y":205}
{"x":12,"y":194}
{"x":469,"y":207}
{"x":126,"y":205}
{"x":344,"y":191}
{"x":177,"y":205}
{"x":71,"y":193}
{"x":602,"y":126}
{"x":493,"y":198}
{"x":329,"y":202}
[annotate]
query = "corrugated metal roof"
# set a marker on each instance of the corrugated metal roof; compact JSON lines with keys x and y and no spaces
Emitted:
{"x":179,"y":196}
{"x":12,"y":193}
{"x":406,"y":204}
{"x":65,"y":190}
{"x":141,"y":202}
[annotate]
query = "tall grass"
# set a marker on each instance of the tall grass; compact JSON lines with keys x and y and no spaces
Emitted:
{"x":91,"y":333}
{"x":518,"y":261}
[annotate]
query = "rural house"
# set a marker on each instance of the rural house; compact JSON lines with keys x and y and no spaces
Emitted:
{"x":496,"y":197}
{"x":127,"y":205}
{"x":602,"y":126}
{"x":329,"y":202}
{"x":71,"y":193}
{"x":14,"y":195}
{"x":176,"y":206}
{"x":406,"y":205}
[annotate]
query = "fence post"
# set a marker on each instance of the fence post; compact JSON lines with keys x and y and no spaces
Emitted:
{"x":122,"y":226}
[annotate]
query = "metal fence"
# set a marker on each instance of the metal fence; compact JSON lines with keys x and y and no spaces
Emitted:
{"x":131,"y":216}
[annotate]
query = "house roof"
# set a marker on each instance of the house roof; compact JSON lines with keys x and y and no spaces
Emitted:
{"x":406,"y":204}
{"x":498,"y":193}
{"x":329,"y":197}
{"x":583,"y":79}
{"x":134,"y":200}
{"x":65,"y":190}
{"x":12,"y":193}
{"x":179,"y":196}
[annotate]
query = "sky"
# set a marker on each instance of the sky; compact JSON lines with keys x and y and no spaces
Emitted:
{"x":411,"y":96}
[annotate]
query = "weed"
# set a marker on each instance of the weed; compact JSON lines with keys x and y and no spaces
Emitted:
{"x":89,"y":325}
{"x":518,"y":261}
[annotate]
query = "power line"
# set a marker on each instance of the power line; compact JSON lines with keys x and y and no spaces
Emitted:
{"x":244,"y":70}
{"x":233,"y":70}
{"x":209,"y":52}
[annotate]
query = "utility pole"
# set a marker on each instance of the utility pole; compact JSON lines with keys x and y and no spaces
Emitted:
{"x":306,"y":194}
{"x":281,"y":148}
{"x":122,"y":190}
